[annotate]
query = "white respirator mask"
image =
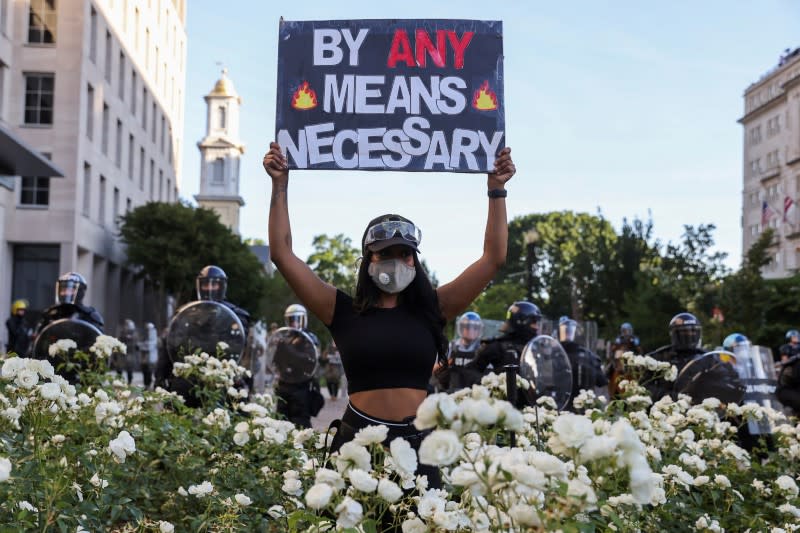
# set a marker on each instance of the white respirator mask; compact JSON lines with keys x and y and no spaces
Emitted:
{"x":392,"y":275}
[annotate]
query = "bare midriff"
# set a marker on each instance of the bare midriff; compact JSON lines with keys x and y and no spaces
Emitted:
{"x":389,"y":404}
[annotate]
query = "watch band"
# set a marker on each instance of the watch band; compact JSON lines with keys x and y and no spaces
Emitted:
{"x":497,"y":193}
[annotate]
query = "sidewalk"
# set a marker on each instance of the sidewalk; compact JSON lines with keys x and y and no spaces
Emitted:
{"x":333,"y":409}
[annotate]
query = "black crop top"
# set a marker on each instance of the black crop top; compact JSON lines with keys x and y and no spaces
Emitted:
{"x":382,"y":348}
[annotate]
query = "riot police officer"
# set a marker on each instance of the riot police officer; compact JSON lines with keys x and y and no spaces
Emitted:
{"x":70,"y":290}
{"x":462,"y":351}
{"x":212,"y":284}
{"x":587,"y":372}
{"x":626,"y":341}
{"x":685,"y":333}
{"x":19,"y":333}
{"x":792,"y":346}
{"x":521,"y":325}
{"x":295,"y":399}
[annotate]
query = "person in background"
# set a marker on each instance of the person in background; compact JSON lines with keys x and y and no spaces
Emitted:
{"x":19,"y":334}
{"x":149,"y":353}
{"x":792,"y":346}
{"x":332,"y":363}
{"x":132,"y":358}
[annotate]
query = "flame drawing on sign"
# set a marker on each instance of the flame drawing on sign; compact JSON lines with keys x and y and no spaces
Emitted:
{"x":304,"y":97}
{"x":485,"y":99}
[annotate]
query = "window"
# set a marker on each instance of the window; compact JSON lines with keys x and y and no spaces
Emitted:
{"x":152,"y":178}
{"x":4,"y":16}
{"x":42,"y":22}
{"x":130,"y":156}
{"x":115,"y":206}
{"x":755,"y":135}
{"x":147,"y":49}
{"x":169,"y":189}
{"x":163,"y":131}
{"x":141,"y":168}
{"x":155,"y":66}
{"x":153,"y":123}
{"x":221,"y":115}
{"x":136,"y":28}
{"x":35,"y":191}
{"x":101,"y":214}
{"x":122,"y":76}
{"x":118,"y":145}
{"x":109,"y":50}
{"x":218,"y":172}
{"x":3,"y":69}
{"x":89,"y":111}
{"x":104,"y":138}
{"x":133,"y":92}
{"x":144,"y":108}
{"x":93,"y":36}
{"x":160,"y":185}
{"x":128,"y":205}
{"x":39,"y":98}
{"x":87,"y":188}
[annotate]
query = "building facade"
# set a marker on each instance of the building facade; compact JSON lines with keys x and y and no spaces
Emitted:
{"x":220,"y":154}
{"x":771,"y":177}
{"x":97,"y":86}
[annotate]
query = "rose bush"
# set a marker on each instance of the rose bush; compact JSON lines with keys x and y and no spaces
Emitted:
{"x":103,"y":456}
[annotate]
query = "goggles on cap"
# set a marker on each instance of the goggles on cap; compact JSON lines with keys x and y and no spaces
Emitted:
{"x":388,"y":229}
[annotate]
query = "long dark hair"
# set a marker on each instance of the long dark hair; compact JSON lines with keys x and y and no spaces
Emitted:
{"x":419,"y":296}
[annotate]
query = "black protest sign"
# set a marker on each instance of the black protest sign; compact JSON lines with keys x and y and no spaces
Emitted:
{"x":391,"y":94}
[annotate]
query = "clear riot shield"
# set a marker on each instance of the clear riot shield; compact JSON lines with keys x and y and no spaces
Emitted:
{"x":253,"y":358}
{"x":491,"y":328}
{"x":545,"y":364}
{"x":712,"y":375}
{"x":202,"y":325}
{"x":757,"y":372}
{"x":83,"y":333}
{"x":292,"y":355}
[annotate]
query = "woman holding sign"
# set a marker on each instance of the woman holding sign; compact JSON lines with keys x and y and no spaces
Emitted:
{"x":391,"y":333}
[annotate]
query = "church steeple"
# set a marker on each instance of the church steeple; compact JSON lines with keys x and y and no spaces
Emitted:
{"x":220,"y":153}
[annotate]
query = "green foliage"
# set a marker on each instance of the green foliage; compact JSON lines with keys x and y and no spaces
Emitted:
{"x":334,"y":261}
{"x":494,"y":301}
{"x":169,"y":243}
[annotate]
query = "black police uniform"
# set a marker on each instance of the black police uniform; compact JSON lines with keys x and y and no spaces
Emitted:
{"x":587,"y":371}
{"x":298,"y":402}
{"x":18,"y":336}
{"x":789,"y":350}
{"x":461,"y":374}
{"x":788,"y":390}
{"x":72,"y":312}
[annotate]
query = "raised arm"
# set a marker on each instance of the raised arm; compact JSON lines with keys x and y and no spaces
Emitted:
{"x":318,"y":296}
{"x":457,"y":295}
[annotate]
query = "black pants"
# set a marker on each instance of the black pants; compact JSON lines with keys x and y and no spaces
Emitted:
{"x":147,"y":372}
{"x":354,"y":419}
{"x":293,"y":402}
{"x":789,"y":396}
{"x":333,"y":387}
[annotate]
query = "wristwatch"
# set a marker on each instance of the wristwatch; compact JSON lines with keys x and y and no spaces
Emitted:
{"x":497,"y":193}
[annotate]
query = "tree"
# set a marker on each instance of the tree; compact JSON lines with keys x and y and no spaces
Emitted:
{"x":168,"y":244}
{"x":334,"y":260}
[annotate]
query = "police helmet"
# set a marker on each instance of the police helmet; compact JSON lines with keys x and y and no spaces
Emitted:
{"x":70,"y":288}
{"x":296,"y":316}
{"x":212,"y":283}
{"x":685,"y":331}
{"x":522,"y":317}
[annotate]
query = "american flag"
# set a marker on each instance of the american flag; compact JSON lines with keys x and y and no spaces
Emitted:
{"x":766,"y":213}
{"x":787,"y":204}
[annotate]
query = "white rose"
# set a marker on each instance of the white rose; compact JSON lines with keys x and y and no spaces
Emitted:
{"x":597,"y":447}
{"x":50,"y":391}
{"x":203,"y":489}
{"x":276,"y":511}
{"x":292,"y":486}
{"x":371,"y":435}
{"x":353,"y":454}
{"x":319,"y":495}
{"x":389,"y":490}
{"x":165,"y":527}
{"x":447,"y":520}
{"x":27,"y":378}
{"x":330,"y":477}
{"x":785,"y":483}
{"x":27,"y":506}
{"x":361,"y":480}
{"x":98,"y":482}
{"x":414,"y":525}
{"x":122,"y":446}
{"x":5,"y":469}
{"x":440,"y":448}
{"x":404,"y":455}
{"x":240,"y":439}
{"x":571,"y":431}
{"x":349,"y":513}
{"x":524,"y":514}
{"x":243,"y":499}
{"x":11,"y":367}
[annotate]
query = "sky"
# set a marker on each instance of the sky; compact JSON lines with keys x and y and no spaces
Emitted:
{"x":628,"y":107}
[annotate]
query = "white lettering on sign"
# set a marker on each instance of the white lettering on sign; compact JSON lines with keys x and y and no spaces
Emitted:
{"x":326,"y":46}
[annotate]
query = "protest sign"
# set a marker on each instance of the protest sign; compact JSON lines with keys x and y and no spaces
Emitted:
{"x":391,"y":94}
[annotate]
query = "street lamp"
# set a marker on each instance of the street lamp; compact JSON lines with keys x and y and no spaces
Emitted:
{"x":530,"y":238}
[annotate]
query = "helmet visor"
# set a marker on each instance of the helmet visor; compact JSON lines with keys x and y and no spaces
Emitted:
{"x":67,"y":291}
{"x":211,"y":288}
{"x":383,"y":231}
{"x":296,"y":320}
